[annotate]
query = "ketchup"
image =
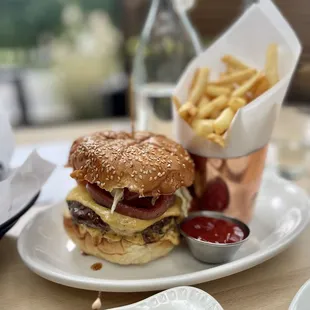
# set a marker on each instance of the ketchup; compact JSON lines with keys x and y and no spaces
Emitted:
{"x":213,"y":230}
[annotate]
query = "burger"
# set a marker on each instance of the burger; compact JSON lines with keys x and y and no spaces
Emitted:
{"x":131,"y":194}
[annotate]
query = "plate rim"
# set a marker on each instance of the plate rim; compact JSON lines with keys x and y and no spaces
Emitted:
{"x":197,"y":277}
{"x":23,"y":210}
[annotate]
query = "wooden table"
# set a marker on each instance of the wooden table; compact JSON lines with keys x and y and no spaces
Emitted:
{"x":270,"y":285}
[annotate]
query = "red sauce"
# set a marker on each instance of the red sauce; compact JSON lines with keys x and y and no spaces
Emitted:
{"x":213,"y":230}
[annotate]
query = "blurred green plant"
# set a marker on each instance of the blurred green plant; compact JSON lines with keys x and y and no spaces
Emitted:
{"x":21,"y":21}
{"x":26,"y":24}
{"x":84,"y":56}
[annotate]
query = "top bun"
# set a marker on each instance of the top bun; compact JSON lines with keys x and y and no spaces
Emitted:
{"x":148,"y":164}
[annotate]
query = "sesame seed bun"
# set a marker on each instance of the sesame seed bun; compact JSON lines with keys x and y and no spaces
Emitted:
{"x":148,"y":164}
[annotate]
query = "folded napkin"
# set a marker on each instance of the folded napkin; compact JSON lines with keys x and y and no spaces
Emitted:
{"x":18,"y":186}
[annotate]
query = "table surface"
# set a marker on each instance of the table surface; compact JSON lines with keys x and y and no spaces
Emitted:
{"x":271,"y":285}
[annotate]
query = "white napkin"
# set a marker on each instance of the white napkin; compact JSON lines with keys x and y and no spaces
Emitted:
{"x":247,"y":39}
{"x":6,"y":144}
{"x":19,"y":186}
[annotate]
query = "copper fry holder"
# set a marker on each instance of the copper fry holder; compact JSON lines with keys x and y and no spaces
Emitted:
{"x":228,"y":185}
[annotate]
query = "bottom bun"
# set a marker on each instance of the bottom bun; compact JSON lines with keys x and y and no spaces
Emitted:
{"x":120,"y":252}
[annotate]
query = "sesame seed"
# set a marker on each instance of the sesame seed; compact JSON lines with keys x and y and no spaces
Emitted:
{"x":140,"y":177}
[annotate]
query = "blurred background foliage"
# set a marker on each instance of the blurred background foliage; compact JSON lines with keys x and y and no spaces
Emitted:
{"x":25,"y":24}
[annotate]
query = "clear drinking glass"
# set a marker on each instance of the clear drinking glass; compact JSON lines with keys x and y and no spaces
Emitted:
{"x":292,"y":157}
{"x":168,"y":42}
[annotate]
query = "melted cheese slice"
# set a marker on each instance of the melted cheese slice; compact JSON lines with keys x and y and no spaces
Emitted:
{"x":119,"y":223}
{"x":97,"y":236}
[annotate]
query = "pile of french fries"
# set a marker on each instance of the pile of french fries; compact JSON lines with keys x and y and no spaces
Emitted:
{"x":212,"y":105}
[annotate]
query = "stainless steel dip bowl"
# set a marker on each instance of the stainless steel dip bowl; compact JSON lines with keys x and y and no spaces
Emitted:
{"x":209,"y":252}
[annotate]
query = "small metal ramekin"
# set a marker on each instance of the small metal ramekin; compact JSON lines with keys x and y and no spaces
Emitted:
{"x":209,"y":252}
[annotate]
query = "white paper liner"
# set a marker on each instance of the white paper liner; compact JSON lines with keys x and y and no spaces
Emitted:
{"x":247,"y":39}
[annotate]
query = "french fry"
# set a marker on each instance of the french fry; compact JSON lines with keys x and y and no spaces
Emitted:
{"x":200,"y":85}
{"x":271,"y":64}
{"x":248,"y":96}
{"x":245,"y":97}
{"x":211,"y":106}
{"x":216,"y":139}
{"x":215,"y":114}
{"x":191,"y":86}
{"x":192,"y":110}
{"x":187,"y":110}
{"x":222,"y":123}
{"x":215,"y":91}
{"x":203,"y":127}
{"x":235,"y":103}
{"x":233,"y":62}
{"x":244,"y":88}
{"x":262,"y":86}
{"x":203,"y":101}
{"x":218,"y":103}
{"x":230,"y":69}
{"x":236,"y":77}
{"x":176,"y":102}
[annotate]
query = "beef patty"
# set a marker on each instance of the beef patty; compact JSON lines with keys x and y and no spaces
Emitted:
{"x":86,"y":216}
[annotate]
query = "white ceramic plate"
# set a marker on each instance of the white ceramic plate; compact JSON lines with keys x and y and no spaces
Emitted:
{"x":301,"y":300}
{"x":178,"y":298}
{"x":282,"y":212}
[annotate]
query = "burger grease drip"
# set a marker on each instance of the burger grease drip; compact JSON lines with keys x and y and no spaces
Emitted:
{"x":118,"y":194}
{"x":186,"y":198}
{"x":97,"y":303}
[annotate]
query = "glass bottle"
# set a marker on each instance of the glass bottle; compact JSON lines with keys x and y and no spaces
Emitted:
{"x":168,"y":42}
